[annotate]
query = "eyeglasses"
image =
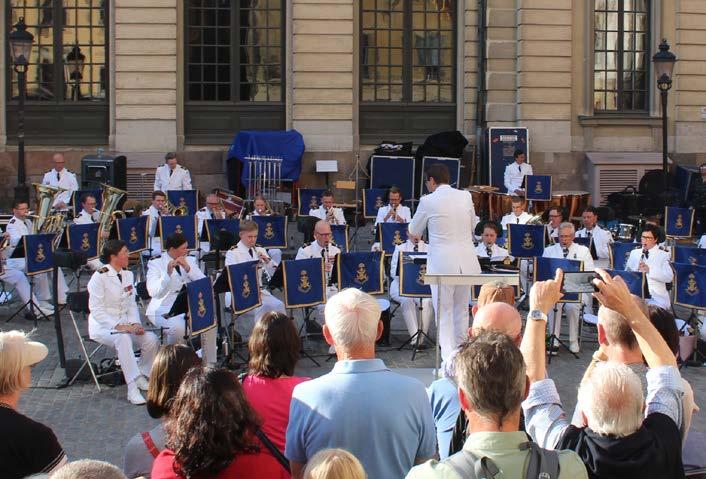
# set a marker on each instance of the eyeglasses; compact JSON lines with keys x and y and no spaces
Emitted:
{"x":647,"y":237}
{"x":212,"y":204}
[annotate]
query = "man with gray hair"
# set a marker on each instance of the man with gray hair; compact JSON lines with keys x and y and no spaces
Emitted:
{"x":624,"y":437}
{"x":89,"y":469}
{"x":383,"y":418}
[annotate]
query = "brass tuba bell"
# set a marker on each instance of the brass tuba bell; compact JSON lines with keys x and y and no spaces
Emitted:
{"x":109,"y":211}
{"x":44,"y":221}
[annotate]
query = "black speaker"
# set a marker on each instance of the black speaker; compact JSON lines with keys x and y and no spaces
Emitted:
{"x":96,"y":170}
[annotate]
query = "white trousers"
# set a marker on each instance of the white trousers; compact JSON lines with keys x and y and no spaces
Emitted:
{"x":269,"y":303}
{"x":42,"y":281}
{"x":452,"y":319}
{"x":572,"y":314}
{"x":123,"y":344}
{"x":409,"y":309}
{"x":18,"y":280}
{"x":175,"y":328}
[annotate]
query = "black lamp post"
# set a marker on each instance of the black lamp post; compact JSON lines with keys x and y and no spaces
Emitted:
{"x":20,"y":47}
{"x":664,"y":61}
{"x":74,"y":65}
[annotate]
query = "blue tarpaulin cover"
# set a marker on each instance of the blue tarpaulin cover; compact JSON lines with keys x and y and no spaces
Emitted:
{"x":288,"y":145}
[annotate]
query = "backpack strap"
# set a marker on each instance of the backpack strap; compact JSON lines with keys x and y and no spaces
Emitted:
{"x":149,"y":444}
{"x":543,"y":463}
{"x":274,"y":450}
{"x":469,"y":466}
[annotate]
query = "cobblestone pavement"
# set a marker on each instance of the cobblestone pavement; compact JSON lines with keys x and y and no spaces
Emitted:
{"x":97,"y":425}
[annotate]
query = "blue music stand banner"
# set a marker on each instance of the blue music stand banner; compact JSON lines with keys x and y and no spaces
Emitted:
{"x":388,"y":171}
{"x":619,"y":253}
{"x":690,"y":285}
{"x":202,"y":316}
{"x":185,"y":198}
{"x":538,"y":187}
{"x":391,"y":235}
{"x":363,"y":271}
{"x":304,"y":282}
{"x":78,"y":194}
{"x":689,"y":255}
{"x":39,"y":252}
{"x":244,"y":290}
{"x":185,"y":225}
{"x":526,"y":241}
{"x":678,"y":222}
{"x":502,"y":143}
{"x":412,"y":276}
{"x":134,"y":232}
{"x":84,"y":238}
{"x":271,"y":231}
{"x":373,"y":200}
{"x":339,"y":234}
{"x":308,"y":199}
{"x":545,"y":268}
{"x":635,"y":280}
{"x":453,"y":164}
{"x":231,"y":226}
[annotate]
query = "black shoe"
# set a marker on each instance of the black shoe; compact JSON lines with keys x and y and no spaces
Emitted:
{"x":553,"y":350}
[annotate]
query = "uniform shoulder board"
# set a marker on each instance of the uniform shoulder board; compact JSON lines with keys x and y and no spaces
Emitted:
{"x":306,"y":245}
{"x":663,"y":248}
{"x":203,"y":209}
{"x":184,"y":169}
{"x":155,"y":257}
{"x":11,"y":221}
{"x":235,"y":246}
{"x":104,"y":269}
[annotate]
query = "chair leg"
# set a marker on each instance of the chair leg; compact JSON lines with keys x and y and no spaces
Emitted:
{"x":87,"y":356}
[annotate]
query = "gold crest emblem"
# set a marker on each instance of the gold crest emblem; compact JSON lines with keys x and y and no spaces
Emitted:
{"x":269,"y":231}
{"x":85,"y":242}
{"x":361,"y":275}
{"x":133,"y":235}
{"x":527,"y":242}
{"x":40,"y":256}
{"x":538,"y":187}
{"x":178,"y":229}
{"x":313,"y":203}
{"x":397,"y":239}
{"x":245,"y":292}
{"x":679,"y":223}
{"x":201,"y":312}
{"x":378,"y":202}
{"x":304,"y":283}
{"x":691,"y":286}
{"x":420,"y":275}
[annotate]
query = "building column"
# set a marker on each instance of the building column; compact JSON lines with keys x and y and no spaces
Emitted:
{"x":501,"y":63}
{"x":3,"y":99}
{"x":468,"y":33}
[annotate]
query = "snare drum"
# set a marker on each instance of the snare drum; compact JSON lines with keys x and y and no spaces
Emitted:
{"x":626,"y":231}
{"x":573,"y":202}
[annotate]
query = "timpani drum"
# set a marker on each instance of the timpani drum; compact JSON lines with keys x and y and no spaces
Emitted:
{"x":573,"y":202}
{"x":499,"y":204}
{"x":481,"y":197}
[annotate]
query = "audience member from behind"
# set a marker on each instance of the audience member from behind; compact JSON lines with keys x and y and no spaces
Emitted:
{"x":382,"y":418}
{"x":624,"y":437}
{"x":89,"y":469}
{"x":274,"y":350}
{"x":211,"y":432}
{"x":170,"y":366}
{"x":334,"y":464}
{"x":26,"y":446}
{"x":491,"y":386}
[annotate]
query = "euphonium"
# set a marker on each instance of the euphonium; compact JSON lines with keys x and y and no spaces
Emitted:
{"x":44,"y":221}
{"x":535,"y":220}
{"x":111,"y":198}
{"x":176,"y":210}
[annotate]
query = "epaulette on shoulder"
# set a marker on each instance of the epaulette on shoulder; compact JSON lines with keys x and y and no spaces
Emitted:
{"x":11,"y":221}
{"x":104,"y":269}
{"x":155,"y":257}
{"x":204,"y":209}
{"x":664,"y":248}
{"x":235,"y":246}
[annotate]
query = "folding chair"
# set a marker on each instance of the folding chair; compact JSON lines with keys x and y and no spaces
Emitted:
{"x":78,"y":304}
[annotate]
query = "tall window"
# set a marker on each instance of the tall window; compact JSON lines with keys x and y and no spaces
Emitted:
{"x":67,"y":72}
{"x":234,"y":63}
{"x":408,"y":62}
{"x":621,"y":55}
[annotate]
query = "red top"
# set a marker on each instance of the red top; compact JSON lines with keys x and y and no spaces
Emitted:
{"x":270,"y":398}
{"x":245,"y":466}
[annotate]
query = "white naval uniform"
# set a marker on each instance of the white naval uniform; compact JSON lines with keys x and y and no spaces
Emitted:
{"x":449,"y":216}
{"x":17,"y":229}
{"x":241,"y":254}
{"x":164,"y":289}
{"x":514,"y":174}
{"x":320,"y":213}
{"x":65,"y":179}
{"x":659,"y":275}
{"x":202,"y":215}
{"x":179,"y":179}
{"x":314,"y":250}
{"x":274,"y":253}
{"x":402,"y":211}
{"x":84,"y":218}
{"x":154,"y":243}
{"x":111,"y":300}
{"x":602,"y":239}
{"x":409,"y":305}
{"x":702,"y":241}
{"x":497,"y":253}
{"x":510,"y":218}
{"x":553,"y":233}
{"x":18,"y":280}
{"x":576,"y":252}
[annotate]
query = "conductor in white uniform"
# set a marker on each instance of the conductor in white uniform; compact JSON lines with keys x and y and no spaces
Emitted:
{"x":653,"y":261}
{"x":449,"y":216}
{"x":62,"y":178}
{"x":515,"y":173}
{"x":111,"y":299}
{"x":171,"y":176}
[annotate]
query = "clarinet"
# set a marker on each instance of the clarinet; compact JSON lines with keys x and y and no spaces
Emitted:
{"x":326,"y":259}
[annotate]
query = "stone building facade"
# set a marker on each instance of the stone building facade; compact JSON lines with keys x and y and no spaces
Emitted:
{"x":537,"y":63}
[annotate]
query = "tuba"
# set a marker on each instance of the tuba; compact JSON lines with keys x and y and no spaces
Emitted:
{"x":109,"y":212}
{"x":44,"y":221}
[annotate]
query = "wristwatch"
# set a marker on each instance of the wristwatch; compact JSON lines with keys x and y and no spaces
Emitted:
{"x":537,"y":315}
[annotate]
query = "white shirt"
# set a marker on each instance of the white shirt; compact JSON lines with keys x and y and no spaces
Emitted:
{"x":602,"y":239}
{"x":510,"y":218}
{"x":702,"y":242}
{"x":164,"y":288}
{"x":576,"y":252}
{"x":314,"y":251}
{"x":496,"y":252}
{"x":240,"y":254}
{"x":63,"y":179}
{"x":320,"y":213}
{"x":408,"y":245}
{"x":111,"y":300}
{"x":402,"y":211}
{"x":154,"y":215}
{"x":514,"y":174}
{"x":16,"y":228}
{"x":659,"y":275}
{"x":180,"y":179}
{"x":84,"y":218}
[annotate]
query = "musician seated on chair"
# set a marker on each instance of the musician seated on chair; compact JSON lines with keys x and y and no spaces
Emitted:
{"x":556,"y":218}
{"x":260,"y":207}
{"x":409,"y":305}
{"x":518,"y":215}
{"x":654,"y":261}
{"x":171,"y":176}
{"x":166,"y":276}
{"x":19,"y":226}
{"x":156,"y":209}
{"x":601,"y":238}
{"x":394,"y":211}
{"x":245,"y":251}
{"x":211,"y":211}
{"x":61,"y":177}
{"x":487,"y":248}
{"x":115,"y":320}
{"x":515,"y":174}
{"x":567,"y":249}
{"x":327,"y":212}
{"x":89,"y":214}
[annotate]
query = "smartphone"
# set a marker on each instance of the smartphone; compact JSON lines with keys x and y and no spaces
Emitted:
{"x":578,"y":282}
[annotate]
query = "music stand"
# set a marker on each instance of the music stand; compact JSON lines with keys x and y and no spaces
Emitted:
{"x":414,"y":264}
{"x":228,"y":343}
{"x":18,"y":253}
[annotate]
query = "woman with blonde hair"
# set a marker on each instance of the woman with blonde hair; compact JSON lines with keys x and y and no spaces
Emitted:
{"x":334,"y":464}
